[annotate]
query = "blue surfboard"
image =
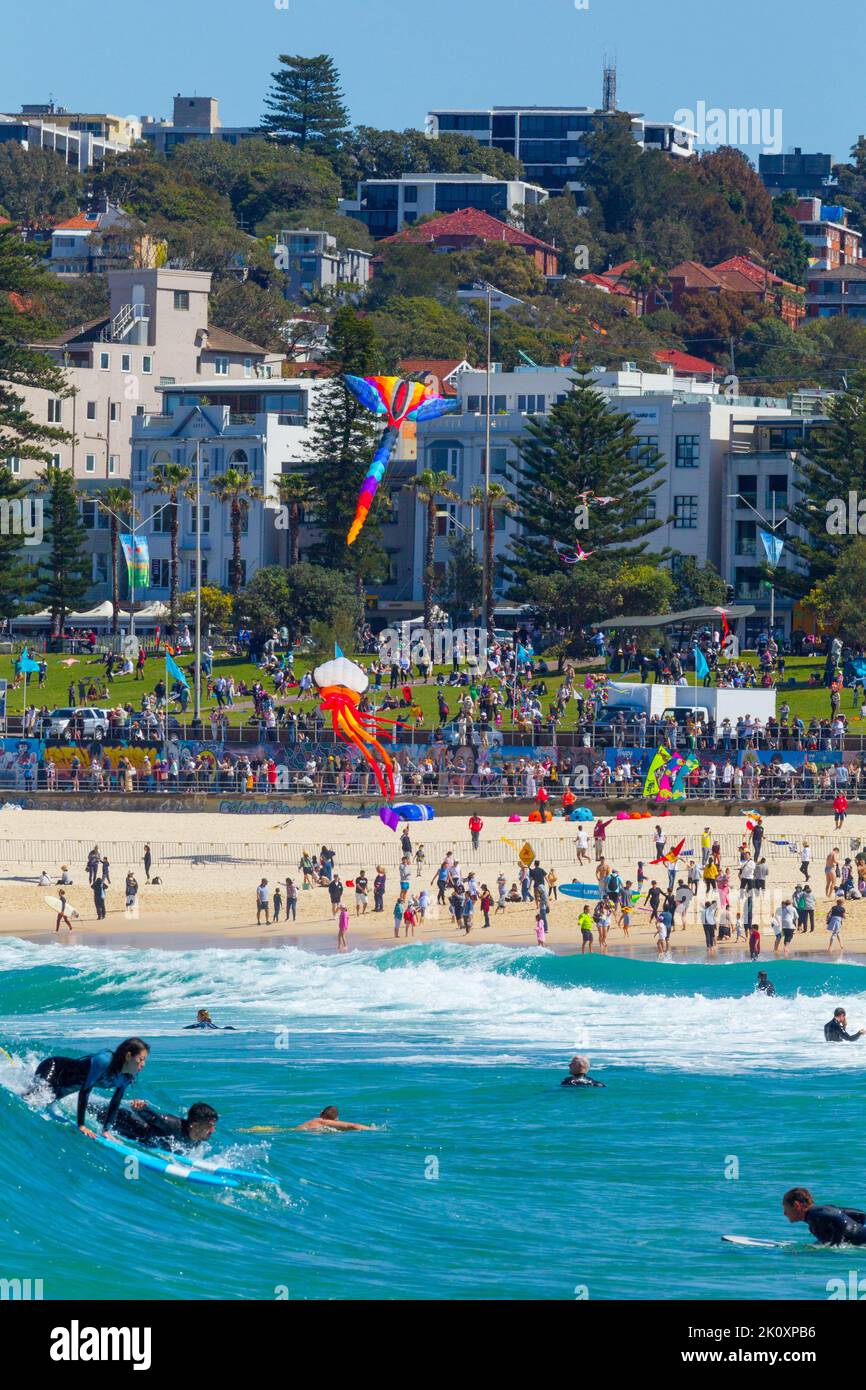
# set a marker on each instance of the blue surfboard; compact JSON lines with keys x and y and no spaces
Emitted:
{"x":587,"y":891}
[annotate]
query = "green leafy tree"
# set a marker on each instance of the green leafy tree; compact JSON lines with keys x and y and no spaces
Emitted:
{"x":584,"y":446}
{"x":116,"y":503}
{"x":235,"y":489}
{"x":461,"y":591}
{"x":64,"y":574}
{"x":431,"y":488}
{"x":217,"y":607}
{"x":643,"y":277}
{"x":499,"y":499}
{"x":21,"y":282}
{"x":838,"y":597}
{"x":305,"y":103}
{"x":297,"y":597}
{"x":697,"y":586}
{"x":37,"y":184}
{"x":149,"y":185}
{"x":172,"y":480}
{"x":17,"y":577}
{"x":580,"y":596}
{"x":293,"y":491}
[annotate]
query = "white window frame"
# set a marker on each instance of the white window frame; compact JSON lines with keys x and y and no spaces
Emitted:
{"x":105,"y":361}
{"x":90,"y":463}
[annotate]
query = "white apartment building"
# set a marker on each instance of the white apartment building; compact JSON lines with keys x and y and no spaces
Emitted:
{"x":156,"y":333}
{"x":386,"y":206}
{"x":686,"y":420}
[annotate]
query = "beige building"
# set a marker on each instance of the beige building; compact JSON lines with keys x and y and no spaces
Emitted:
{"x":155,"y":334}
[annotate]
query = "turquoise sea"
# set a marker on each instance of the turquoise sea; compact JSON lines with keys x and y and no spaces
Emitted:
{"x":484,"y":1178}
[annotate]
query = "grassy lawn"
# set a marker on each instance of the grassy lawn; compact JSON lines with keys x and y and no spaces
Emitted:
{"x":805,"y":701}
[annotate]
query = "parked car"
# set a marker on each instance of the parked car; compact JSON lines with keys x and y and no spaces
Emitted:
{"x":93,"y":721}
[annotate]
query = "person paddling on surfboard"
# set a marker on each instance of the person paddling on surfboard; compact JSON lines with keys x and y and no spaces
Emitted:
{"x":328,"y":1120}
{"x":102,"y":1071}
{"x":144,"y":1125}
{"x":204,"y":1020}
{"x":829,"y":1225}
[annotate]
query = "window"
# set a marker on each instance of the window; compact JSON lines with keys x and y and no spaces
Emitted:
{"x":90,"y":463}
{"x":644,"y":449}
{"x":239,"y":459}
{"x":446,"y":457}
{"x":688,"y":453}
{"x":528,"y":405}
{"x":446,"y":516}
{"x":192,"y":581}
{"x":248,"y":367}
{"x":647,"y":511}
{"x":100,"y":568}
{"x":410,"y":193}
{"x":245,"y":520}
{"x":181,"y":299}
{"x":685,"y":513}
{"x":113,"y":411}
{"x":91,"y":410}
{"x":205,"y":519}
{"x":104,"y":361}
{"x":498,"y":463}
{"x":393,"y":564}
{"x":56,"y":460}
{"x":243,"y":569}
{"x":777,"y":490}
{"x":747,"y":487}
{"x":745,"y":542}
{"x":114,"y":463}
{"x":167,"y":381}
{"x":125,"y":362}
{"x":221,"y":366}
{"x":392,"y":516}
{"x":147,"y":365}
{"x":55,"y":411}
{"x":13,"y":463}
{"x":159,"y":574}
{"x":161,"y":518}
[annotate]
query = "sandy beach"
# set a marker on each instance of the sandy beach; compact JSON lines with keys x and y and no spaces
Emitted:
{"x":208,"y":878}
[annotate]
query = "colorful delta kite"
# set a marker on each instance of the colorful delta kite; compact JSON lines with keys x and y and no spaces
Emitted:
{"x":672,"y":855}
{"x":341,"y":684}
{"x":407,"y":810}
{"x":573,"y":557}
{"x":667,"y":775}
{"x":399,"y":401}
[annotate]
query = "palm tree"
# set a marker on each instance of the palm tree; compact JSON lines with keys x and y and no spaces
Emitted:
{"x":237,"y":489}
{"x":116,"y":503}
{"x":499,"y":499}
{"x":172,"y":480}
{"x":293,"y":490}
{"x":431,"y":488}
{"x":643,"y":277}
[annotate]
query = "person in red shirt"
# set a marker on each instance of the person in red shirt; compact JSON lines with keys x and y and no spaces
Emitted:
{"x":271,"y":771}
{"x":541,"y":801}
{"x":568,"y":799}
{"x":840,"y":810}
{"x":476,"y":825}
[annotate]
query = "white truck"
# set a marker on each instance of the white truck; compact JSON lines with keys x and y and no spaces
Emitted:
{"x":657,"y":701}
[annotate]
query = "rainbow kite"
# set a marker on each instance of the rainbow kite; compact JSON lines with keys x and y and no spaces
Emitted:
{"x":400,"y":401}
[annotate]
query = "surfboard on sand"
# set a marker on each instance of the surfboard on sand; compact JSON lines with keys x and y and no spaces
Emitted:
{"x":57,"y":905}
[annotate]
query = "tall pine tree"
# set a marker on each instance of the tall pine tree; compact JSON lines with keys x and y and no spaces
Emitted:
{"x":343,"y":438}
{"x":305,"y":104}
{"x":583,"y":446}
{"x":21,"y":280}
{"x":17,"y":578}
{"x":64,"y":574}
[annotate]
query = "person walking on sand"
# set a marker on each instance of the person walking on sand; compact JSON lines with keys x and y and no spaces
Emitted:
{"x":335,"y":893}
{"x":278,"y":901}
{"x":552,"y":885}
{"x":291,"y":900}
{"x":360,"y":893}
{"x":539,"y":930}
{"x":106,"y":876}
{"x":342,"y":928}
{"x":805,"y":859}
{"x":834,"y":926}
{"x":582,"y":846}
{"x":99,"y":898}
{"x":585,"y":923}
{"x":63,"y":913}
{"x":476,"y":825}
{"x":263,"y":899}
{"x":398,"y":916}
{"x":831,"y":869}
{"x":131,"y":891}
{"x":147,"y":862}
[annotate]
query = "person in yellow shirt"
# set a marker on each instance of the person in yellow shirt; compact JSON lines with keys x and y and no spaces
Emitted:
{"x":711,"y":873}
{"x":586,"y":924}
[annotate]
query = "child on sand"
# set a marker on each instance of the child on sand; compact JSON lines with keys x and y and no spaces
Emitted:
{"x":539,"y":930}
{"x":342,"y":928}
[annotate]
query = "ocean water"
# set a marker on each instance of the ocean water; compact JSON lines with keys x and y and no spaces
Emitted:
{"x":484,"y":1178}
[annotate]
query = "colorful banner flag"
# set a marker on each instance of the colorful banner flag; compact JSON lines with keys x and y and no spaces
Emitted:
{"x":773,"y":546}
{"x":26,"y":664}
{"x":137,"y":560}
{"x":172,"y":669}
{"x":702,"y":670}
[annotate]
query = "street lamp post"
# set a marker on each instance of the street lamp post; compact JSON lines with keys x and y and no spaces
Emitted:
{"x":772,"y":525}
{"x":197,"y":702}
{"x":133,"y":531}
{"x":486,"y":579}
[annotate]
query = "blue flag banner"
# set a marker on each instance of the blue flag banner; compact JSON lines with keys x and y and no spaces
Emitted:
{"x":172,"y":669}
{"x":27,"y":664}
{"x":773,"y":546}
{"x":702,"y":670}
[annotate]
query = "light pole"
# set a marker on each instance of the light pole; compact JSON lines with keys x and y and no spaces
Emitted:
{"x":197,"y":701}
{"x":486,"y":558}
{"x":772,"y":525}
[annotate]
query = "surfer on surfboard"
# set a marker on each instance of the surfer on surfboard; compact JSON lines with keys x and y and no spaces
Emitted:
{"x":829,"y":1225}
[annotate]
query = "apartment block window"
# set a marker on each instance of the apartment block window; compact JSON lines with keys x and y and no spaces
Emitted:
{"x":192,"y":581}
{"x":90,"y":463}
{"x":777,"y":490}
{"x":245,"y":522}
{"x":528,"y":405}
{"x":91,"y":410}
{"x":100,"y":568}
{"x":392,"y":516}
{"x":747,"y":487}
{"x":167,"y":381}
{"x":248,"y":367}
{"x":445,"y":519}
{"x":160,"y":518}
{"x":114,"y":463}
{"x":205,"y":520}
{"x":393,"y":567}
{"x":181,"y":299}
{"x":647,"y":511}
{"x":221,"y":366}
{"x":498,"y":462}
{"x":410,"y":193}
{"x":644,"y":449}
{"x":113,"y":411}
{"x":243,"y":569}
{"x":159,"y":574}
{"x":685,"y":513}
{"x":688,"y":453}
{"x":104,"y":361}
{"x":147,"y":365}
{"x":13,"y":463}
{"x":56,"y":460}
{"x":55,"y":411}
{"x":125,"y":362}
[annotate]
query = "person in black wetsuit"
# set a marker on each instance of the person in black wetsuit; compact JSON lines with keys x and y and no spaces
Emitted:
{"x":101,"y":1070}
{"x":578,"y":1074}
{"x":764,"y":985}
{"x":204,"y":1020}
{"x":829,"y":1225}
{"x":151,"y":1127}
{"x":836,"y":1029}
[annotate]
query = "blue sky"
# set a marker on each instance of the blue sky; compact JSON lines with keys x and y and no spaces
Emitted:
{"x":398,"y":59}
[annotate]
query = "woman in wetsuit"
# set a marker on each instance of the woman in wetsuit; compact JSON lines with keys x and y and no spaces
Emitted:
{"x":104,"y":1071}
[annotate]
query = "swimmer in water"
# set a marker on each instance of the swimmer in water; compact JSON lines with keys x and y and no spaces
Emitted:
{"x":328,"y":1120}
{"x":829,"y":1225}
{"x":105,"y":1071}
{"x":203,"y":1020}
{"x":578,"y":1074}
{"x":837,"y":1029}
{"x":764,"y":985}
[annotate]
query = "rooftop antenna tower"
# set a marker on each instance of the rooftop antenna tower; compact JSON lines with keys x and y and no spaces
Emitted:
{"x":608,"y":94}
